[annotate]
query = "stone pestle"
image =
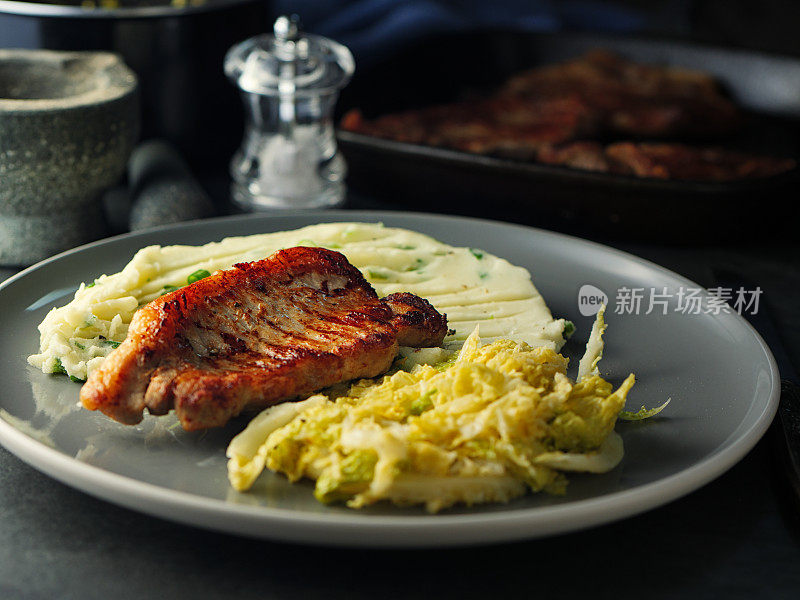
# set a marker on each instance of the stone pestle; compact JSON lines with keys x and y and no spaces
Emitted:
{"x":162,"y":188}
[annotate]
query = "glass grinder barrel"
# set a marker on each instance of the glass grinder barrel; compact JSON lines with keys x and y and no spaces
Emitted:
{"x":290,"y":82}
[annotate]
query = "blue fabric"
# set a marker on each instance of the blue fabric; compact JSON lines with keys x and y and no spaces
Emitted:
{"x":375,"y":29}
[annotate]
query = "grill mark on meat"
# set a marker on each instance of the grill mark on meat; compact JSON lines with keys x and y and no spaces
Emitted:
{"x":259,"y":333}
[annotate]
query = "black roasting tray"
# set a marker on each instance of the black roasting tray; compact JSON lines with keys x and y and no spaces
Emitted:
{"x":448,"y":68}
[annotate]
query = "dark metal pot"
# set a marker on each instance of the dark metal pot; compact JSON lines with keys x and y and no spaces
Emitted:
{"x":177,"y":53}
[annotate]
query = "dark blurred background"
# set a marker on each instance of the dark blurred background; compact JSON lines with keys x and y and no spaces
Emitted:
{"x":178,"y":53}
{"x":406,"y":57}
{"x":377,"y":28}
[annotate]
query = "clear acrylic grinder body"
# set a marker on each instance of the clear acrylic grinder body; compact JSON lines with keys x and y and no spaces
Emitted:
{"x":289,"y":82}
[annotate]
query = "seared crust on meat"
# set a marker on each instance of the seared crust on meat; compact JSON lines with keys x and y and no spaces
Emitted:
{"x":259,"y":333}
{"x":417,"y":322}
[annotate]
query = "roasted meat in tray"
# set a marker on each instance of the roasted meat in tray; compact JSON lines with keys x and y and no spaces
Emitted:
{"x":628,"y":97}
{"x":505,"y":125}
{"x":663,"y":161}
{"x":566,"y":114}
{"x":649,"y":139}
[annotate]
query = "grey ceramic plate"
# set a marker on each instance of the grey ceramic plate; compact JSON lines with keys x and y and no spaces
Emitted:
{"x":721,"y":377}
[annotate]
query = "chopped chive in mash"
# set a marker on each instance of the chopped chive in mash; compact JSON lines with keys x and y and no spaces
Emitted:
{"x":418,"y":264}
{"x":569,"y":329}
{"x":74,"y":379}
{"x":79,"y":345}
{"x":58,"y":367}
{"x":167,"y":289}
{"x":483,"y":275}
{"x":111,"y":343}
{"x":198,"y":275}
{"x":91,"y":284}
{"x":376,"y":274}
{"x":405,"y":247}
{"x":477,"y":253}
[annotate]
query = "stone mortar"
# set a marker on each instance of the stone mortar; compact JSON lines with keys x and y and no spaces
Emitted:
{"x":68,"y":122}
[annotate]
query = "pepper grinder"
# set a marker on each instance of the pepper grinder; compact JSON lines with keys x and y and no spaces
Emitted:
{"x":290,"y":82}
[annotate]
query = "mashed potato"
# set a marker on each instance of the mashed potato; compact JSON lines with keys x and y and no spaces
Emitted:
{"x":472,"y":286}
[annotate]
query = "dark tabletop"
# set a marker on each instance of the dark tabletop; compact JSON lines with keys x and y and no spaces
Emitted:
{"x":737,"y":537}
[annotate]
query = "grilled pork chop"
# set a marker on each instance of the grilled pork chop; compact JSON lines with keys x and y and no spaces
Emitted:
{"x":252,"y":336}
